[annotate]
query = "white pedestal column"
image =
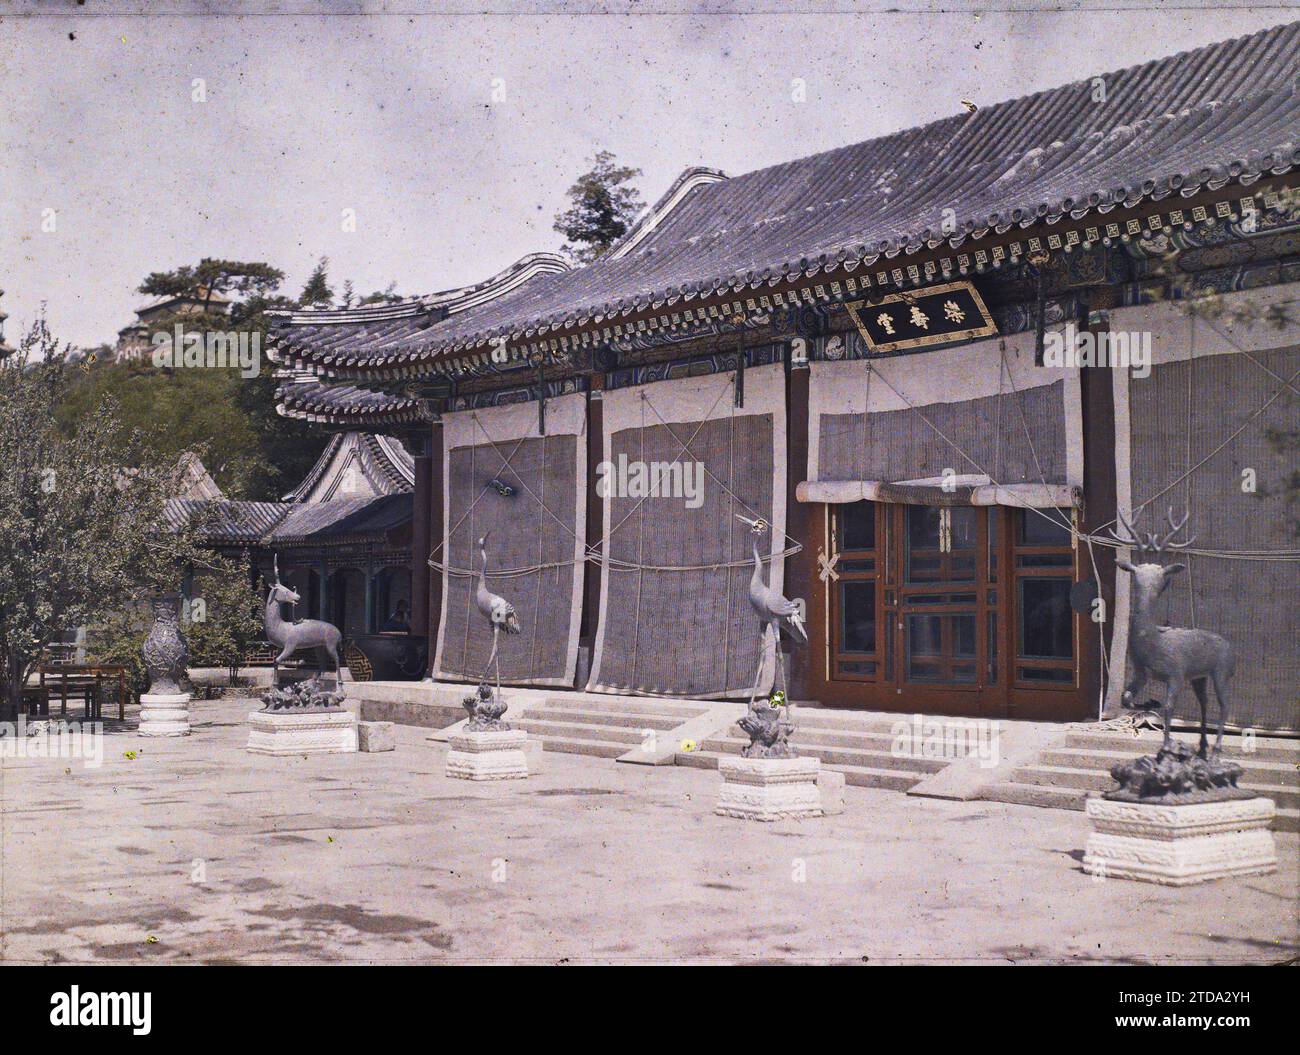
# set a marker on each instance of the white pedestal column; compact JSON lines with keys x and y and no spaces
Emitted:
{"x":1177,"y":845}
{"x":164,"y":715}
{"x":769,"y":789}
{"x":488,"y":755}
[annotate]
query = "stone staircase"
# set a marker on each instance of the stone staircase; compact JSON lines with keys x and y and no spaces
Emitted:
{"x":857,"y":745}
{"x":1064,"y":776}
{"x":604,"y":727}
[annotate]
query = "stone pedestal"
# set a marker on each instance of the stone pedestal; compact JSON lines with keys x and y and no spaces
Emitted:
{"x":491,"y":755}
{"x":769,"y":789}
{"x":1180,"y":844}
{"x":302,"y":732}
{"x":376,"y":736}
{"x":163,"y":714}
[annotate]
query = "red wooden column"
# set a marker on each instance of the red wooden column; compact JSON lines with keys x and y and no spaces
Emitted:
{"x":420,"y":545}
{"x":800,"y":570}
{"x":595,"y":523}
{"x":434,"y":519}
{"x":1099,"y":502}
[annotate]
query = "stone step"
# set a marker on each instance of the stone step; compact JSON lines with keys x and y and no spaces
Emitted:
{"x":1148,"y":742}
{"x":1258,"y":770}
{"x":856,"y":721}
{"x":625,"y":719}
{"x":577,"y":746}
{"x":1100,"y":780}
{"x":857,"y":776}
{"x":830,"y":737}
{"x":1045,"y":795}
{"x":839,"y":756}
{"x":589,"y":702}
{"x":1063,"y":777}
{"x":611,"y":734}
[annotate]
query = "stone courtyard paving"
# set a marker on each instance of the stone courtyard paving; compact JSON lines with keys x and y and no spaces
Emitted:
{"x":197,"y":852}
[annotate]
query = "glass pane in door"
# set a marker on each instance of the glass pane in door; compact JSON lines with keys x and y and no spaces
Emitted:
{"x":858,"y":617}
{"x":941,"y":544}
{"x":941,"y":647}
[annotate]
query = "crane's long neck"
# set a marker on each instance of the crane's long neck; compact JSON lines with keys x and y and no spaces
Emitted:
{"x":482,"y":568}
{"x":758,"y":564}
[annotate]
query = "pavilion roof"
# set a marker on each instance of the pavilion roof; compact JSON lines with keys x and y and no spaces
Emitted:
{"x":1177,"y":125}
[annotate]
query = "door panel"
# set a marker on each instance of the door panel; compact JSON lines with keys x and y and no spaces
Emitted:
{"x":956,"y":610}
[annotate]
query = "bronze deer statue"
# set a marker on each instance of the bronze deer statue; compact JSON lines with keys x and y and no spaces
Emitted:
{"x":1172,"y":654}
{"x":302,"y":633}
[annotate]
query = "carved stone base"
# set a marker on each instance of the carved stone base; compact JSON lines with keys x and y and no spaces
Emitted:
{"x":1180,"y":844}
{"x":494,"y":755}
{"x":164,"y":715}
{"x":769,"y":789}
{"x":302,"y":732}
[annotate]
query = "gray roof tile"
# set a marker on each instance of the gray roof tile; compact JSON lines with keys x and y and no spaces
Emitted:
{"x":1199,"y":118}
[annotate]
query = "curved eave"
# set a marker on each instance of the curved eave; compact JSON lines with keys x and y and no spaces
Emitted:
{"x":367,"y":413}
{"x":805,"y":281}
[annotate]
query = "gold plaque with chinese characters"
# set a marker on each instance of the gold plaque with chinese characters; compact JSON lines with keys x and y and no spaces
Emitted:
{"x":937,"y":315}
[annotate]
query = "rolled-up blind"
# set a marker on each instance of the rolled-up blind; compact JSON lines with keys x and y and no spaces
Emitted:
{"x":529,"y":490}
{"x":982,"y":412}
{"x":674,"y":609}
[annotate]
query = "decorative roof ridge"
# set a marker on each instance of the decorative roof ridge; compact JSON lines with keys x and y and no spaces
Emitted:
{"x":525,"y":269}
{"x":443,"y":303}
{"x":394,"y":456}
{"x":687,"y":181}
{"x":379,"y":454}
{"x":314,"y":474}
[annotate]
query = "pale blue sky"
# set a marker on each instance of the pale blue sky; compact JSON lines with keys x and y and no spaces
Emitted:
{"x":390,"y":113}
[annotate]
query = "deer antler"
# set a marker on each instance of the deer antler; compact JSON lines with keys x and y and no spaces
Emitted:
{"x":1162,"y":544}
{"x":1152,"y":544}
{"x":1130,"y":536}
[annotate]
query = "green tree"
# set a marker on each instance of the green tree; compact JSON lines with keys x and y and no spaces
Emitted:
{"x":225,"y":617}
{"x":230,"y":278}
{"x":231,"y":421}
{"x":603,"y":205}
{"x":200,"y":410}
{"x":83,"y":532}
{"x":317,"y":292}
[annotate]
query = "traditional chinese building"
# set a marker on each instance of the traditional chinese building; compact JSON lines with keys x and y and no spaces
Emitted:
{"x":889,"y":353}
{"x":135,"y":341}
{"x":342,"y":538}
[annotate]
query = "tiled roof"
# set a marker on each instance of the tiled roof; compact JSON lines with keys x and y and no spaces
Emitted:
{"x":389,"y":466}
{"x":238,"y":523}
{"x":342,"y":517}
{"x":224,"y":520}
{"x":345,"y":405}
{"x":1196,"y":120}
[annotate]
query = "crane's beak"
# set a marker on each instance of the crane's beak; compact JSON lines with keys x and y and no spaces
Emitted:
{"x":755,"y":525}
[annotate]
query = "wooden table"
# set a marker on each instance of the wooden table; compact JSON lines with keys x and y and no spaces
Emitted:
{"x":86,"y":681}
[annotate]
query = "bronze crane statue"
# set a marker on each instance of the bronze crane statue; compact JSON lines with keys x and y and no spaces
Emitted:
{"x":1172,"y":654}
{"x":499,"y":613}
{"x":772,"y":610}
